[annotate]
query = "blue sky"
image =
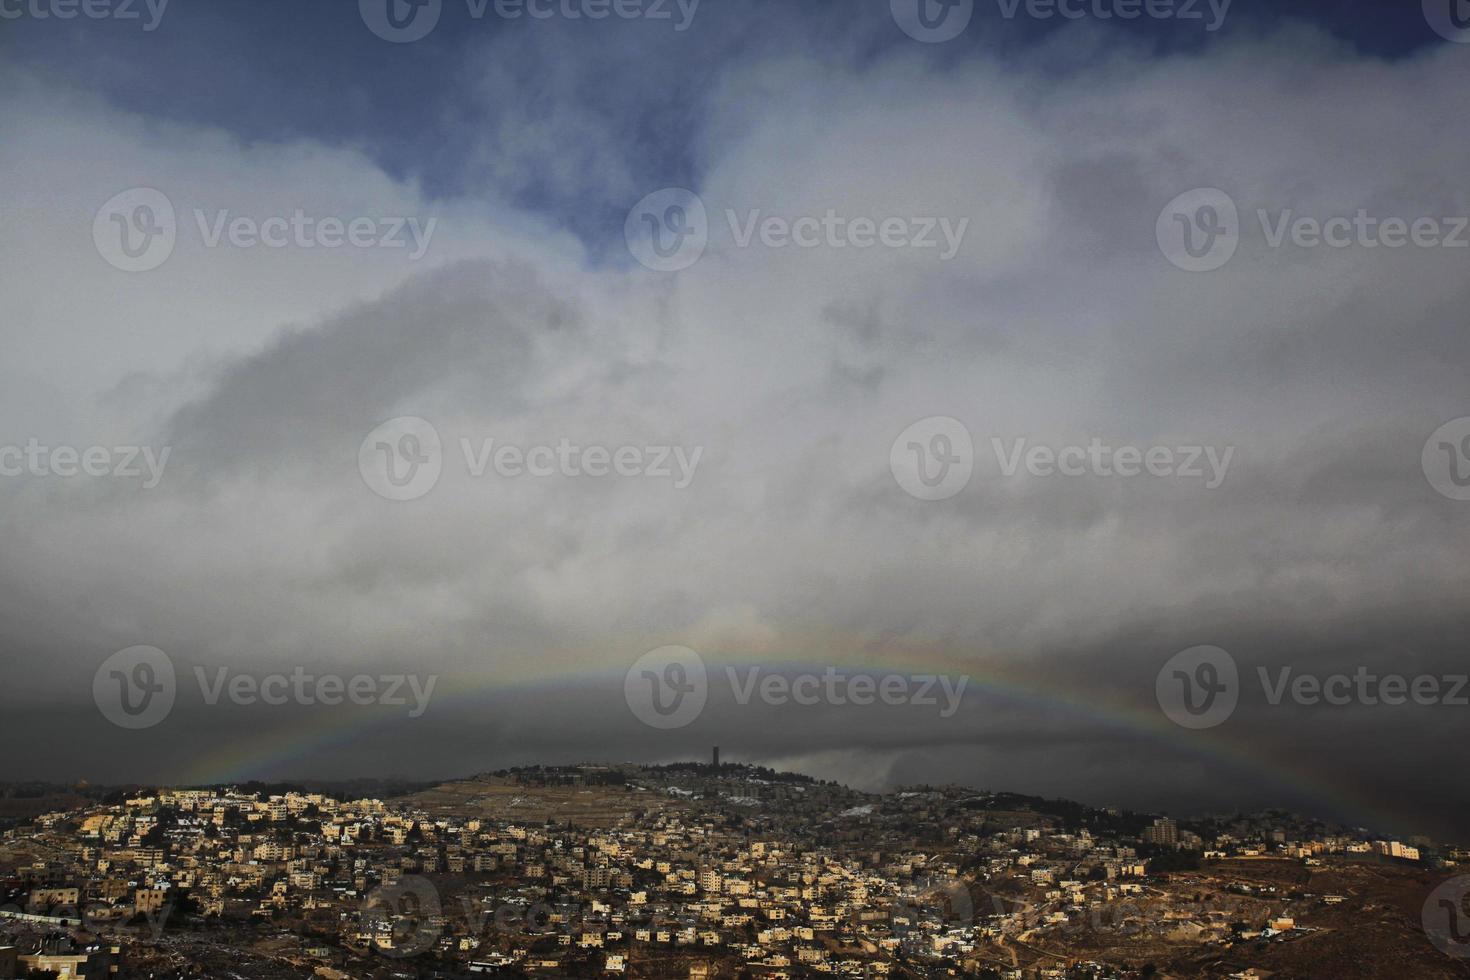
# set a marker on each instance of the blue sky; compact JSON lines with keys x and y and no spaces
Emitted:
{"x":281,"y":70}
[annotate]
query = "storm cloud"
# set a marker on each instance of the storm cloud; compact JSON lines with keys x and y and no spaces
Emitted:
{"x":1059,"y":321}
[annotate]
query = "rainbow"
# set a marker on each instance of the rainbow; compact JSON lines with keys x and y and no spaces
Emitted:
{"x":278,"y":751}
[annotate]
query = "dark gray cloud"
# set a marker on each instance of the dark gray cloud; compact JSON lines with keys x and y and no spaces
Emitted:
{"x":792,"y":371}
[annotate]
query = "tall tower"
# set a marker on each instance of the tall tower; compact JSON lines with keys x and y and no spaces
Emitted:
{"x":717,"y":758}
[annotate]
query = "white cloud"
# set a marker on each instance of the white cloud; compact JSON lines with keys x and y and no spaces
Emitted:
{"x":1058,"y":321}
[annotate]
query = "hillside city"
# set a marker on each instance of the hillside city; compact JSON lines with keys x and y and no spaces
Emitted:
{"x":692,"y":871}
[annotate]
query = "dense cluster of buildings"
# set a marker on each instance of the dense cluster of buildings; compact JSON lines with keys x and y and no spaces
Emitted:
{"x":700,"y":869}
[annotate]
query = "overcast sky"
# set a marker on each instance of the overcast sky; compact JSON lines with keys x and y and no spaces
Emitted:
{"x":1325,"y":532}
